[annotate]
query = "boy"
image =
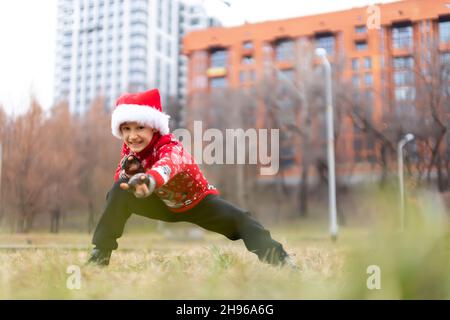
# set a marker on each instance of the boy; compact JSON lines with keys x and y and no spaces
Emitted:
{"x":157,"y":179}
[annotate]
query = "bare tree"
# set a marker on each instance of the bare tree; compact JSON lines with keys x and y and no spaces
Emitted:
{"x":294,"y":102}
{"x":100,"y":153}
{"x":175,"y":110}
{"x":229,"y":109}
{"x":414,"y":99}
{"x":26,"y":171}
{"x":432,"y":71}
{"x":3,"y":134}
{"x":63,"y":160}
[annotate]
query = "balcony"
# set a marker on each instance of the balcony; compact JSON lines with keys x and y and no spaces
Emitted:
{"x":138,"y":40}
{"x":138,"y":65}
{"x":139,"y":6}
{"x":215,"y":72}
{"x":139,"y":16}
{"x":139,"y":28}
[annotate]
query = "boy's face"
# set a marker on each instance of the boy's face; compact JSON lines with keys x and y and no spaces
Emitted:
{"x":136,"y":136}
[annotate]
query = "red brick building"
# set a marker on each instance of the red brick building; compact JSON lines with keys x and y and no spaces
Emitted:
{"x":377,"y":56}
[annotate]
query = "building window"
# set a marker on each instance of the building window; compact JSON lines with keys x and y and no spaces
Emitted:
{"x":252,"y":75}
{"x":247,"y":60}
{"x":242,"y":77}
{"x":444,"y":30}
{"x":404,"y":108}
{"x":403,"y":77}
{"x":159,"y":18}
{"x":405,"y":94}
{"x":357,"y":149}
{"x":355,"y":81}
{"x":445,"y":58}
{"x":219,"y":58}
{"x":326,"y":41}
{"x":361,"y":45}
{"x":200,"y":82}
{"x":355,"y":64}
{"x":267,"y":53}
{"x":245,"y":76}
{"x":286,"y":75}
{"x":367,"y":63}
{"x":368,"y":101}
{"x":403,"y":63}
{"x":158,"y":72}
{"x":158,"y":43}
{"x":360,"y":29}
{"x":287,"y":150}
{"x":368,"y":79}
{"x":220,"y":82}
{"x":168,"y":48}
{"x":168,"y":79}
{"x":247,"y":45}
{"x":169,"y":20}
{"x":284,"y":50}
{"x":402,"y":37}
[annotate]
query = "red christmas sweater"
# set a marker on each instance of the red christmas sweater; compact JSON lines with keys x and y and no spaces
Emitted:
{"x":179,"y":181}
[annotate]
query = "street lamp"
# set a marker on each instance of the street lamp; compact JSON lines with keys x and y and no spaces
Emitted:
{"x":322,"y":54}
{"x":407,"y":138}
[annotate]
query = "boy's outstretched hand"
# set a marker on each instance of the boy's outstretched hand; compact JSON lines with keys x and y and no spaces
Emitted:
{"x":141,"y":185}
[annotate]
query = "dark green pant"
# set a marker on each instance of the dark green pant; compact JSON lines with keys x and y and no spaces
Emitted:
{"x":212,"y":213}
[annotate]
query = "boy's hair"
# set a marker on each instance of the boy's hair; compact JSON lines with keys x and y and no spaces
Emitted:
{"x":143,"y":108}
{"x":138,"y":122}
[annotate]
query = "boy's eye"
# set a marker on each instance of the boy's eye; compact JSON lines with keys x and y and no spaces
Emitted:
{"x":126,"y":128}
{"x":141,"y":128}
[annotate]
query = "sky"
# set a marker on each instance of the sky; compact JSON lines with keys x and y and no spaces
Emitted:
{"x":28,"y":30}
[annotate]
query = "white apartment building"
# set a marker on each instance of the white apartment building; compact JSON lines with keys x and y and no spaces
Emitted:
{"x":108,"y":47}
{"x":192,"y":17}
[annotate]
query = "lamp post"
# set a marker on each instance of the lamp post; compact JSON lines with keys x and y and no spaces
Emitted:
{"x":407,"y":138}
{"x":322,"y":54}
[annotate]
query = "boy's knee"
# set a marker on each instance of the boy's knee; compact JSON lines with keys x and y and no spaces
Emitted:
{"x":238,"y":228}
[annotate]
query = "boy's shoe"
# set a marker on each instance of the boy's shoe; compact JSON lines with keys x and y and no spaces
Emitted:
{"x":99,"y":257}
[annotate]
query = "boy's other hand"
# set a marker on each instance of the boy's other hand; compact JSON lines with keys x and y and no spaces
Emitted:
{"x":130,"y":166}
{"x":141,"y":185}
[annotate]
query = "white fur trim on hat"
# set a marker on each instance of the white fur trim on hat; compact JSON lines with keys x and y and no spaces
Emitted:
{"x":144,"y":115}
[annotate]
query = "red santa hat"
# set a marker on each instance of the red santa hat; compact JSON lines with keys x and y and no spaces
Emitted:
{"x":143,"y":108}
